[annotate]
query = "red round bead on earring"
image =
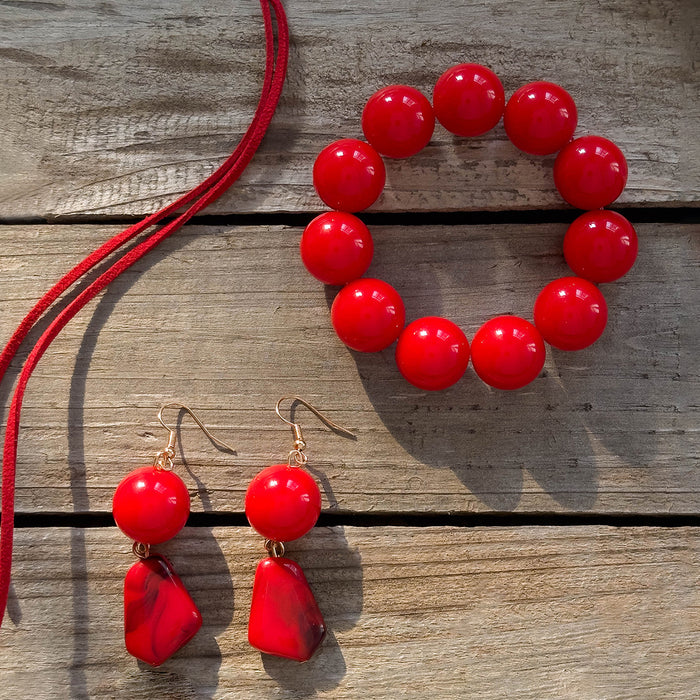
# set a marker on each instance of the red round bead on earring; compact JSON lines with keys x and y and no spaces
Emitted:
{"x":507,"y":352}
{"x":468,"y":99}
{"x":336,"y":247}
{"x":590,"y":172}
{"x":368,"y":315}
{"x":540,"y":118}
{"x":282,"y":502}
{"x":151,"y":505}
{"x":349,"y":175}
{"x":570,"y":313}
{"x":398,"y":121}
{"x":600,"y":246}
{"x":432,"y":353}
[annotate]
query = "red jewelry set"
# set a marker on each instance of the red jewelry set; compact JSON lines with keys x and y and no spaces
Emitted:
{"x":282,"y":503}
{"x":507,"y":352}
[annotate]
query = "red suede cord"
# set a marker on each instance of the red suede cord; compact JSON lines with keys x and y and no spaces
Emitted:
{"x":205,"y":193}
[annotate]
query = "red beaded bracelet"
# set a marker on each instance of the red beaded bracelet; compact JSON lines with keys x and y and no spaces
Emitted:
{"x":507,"y":352}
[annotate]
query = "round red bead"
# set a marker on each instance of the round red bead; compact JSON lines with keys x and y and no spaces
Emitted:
{"x":570,"y":313}
{"x":398,"y":121}
{"x":368,"y":315}
{"x":600,"y":246}
{"x":349,"y":175}
{"x":336,"y":247}
{"x":507,"y":352}
{"x":468,"y":99}
{"x":590,"y":172}
{"x":540,"y":118}
{"x":432,"y":353}
{"x":282,"y":502}
{"x":151,"y":505}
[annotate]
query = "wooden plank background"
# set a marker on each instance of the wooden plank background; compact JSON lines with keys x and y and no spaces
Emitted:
{"x":116,"y":107}
{"x":227,"y":320}
{"x":110,"y":110}
{"x":435,"y":612}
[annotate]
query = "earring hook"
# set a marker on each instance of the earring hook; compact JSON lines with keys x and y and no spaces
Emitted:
{"x":297,"y":454}
{"x":164,"y":459}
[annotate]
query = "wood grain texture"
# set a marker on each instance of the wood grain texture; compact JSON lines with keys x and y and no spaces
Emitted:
{"x":586,"y":612}
{"x":227,"y":320}
{"x":113,"y":108}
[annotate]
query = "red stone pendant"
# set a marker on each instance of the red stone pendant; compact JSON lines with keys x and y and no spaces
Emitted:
{"x":159,"y":615}
{"x":284,"y":617}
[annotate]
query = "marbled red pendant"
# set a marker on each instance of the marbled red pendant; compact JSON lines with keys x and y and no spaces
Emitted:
{"x":284,"y":617}
{"x":159,"y":615}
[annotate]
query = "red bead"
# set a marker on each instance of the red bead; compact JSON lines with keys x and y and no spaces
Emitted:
{"x":151,"y":505}
{"x":160,"y":617}
{"x":508,"y":352}
{"x":368,"y":315}
{"x":336,"y":247}
{"x":540,"y":118}
{"x":432,"y":353}
{"x":398,"y":121}
{"x":468,"y":99}
{"x":284,"y":616}
{"x":282,"y":502}
{"x":349,"y":175}
{"x":590,"y":172}
{"x":600,"y":246}
{"x":571,"y":313}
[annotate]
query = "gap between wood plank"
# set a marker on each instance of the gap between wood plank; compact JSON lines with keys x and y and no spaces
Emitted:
{"x":465,"y":520}
{"x":637,"y":215}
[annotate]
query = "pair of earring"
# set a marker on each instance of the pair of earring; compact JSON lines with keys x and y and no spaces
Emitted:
{"x":283,"y":502}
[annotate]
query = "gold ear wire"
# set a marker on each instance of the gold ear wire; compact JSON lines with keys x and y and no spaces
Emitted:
{"x":296,"y":455}
{"x":164,"y":458}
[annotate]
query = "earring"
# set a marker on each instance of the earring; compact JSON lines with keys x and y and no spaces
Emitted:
{"x":150,"y":506}
{"x":283,"y":503}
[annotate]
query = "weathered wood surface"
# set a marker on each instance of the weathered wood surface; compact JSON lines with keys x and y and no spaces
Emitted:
{"x":113,"y":108}
{"x":582,"y":612}
{"x":227,"y":320}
